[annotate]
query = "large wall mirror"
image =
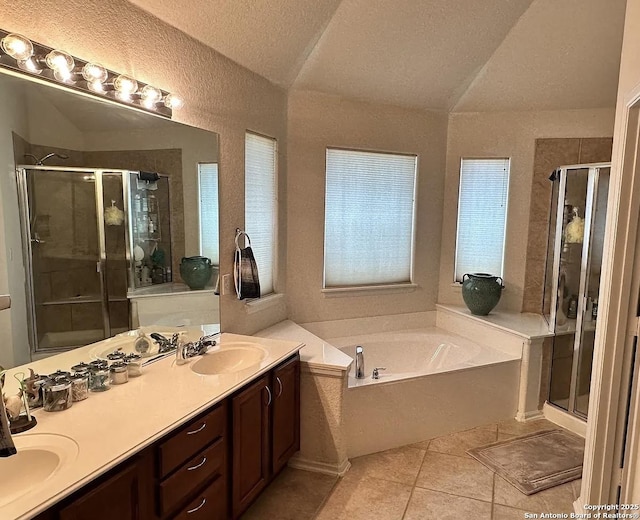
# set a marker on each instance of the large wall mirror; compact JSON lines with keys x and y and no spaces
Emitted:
{"x":99,"y":205}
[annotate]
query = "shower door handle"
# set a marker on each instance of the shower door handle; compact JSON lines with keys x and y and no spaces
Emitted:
{"x":98,"y":267}
{"x":37,"y":240}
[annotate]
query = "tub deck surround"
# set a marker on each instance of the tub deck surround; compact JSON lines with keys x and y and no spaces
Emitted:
{"x":514,"y":332}
{"x":323,"y":382}
{"x":110,"y":427}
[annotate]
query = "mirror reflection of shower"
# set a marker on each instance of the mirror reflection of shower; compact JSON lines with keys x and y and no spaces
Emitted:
{"x":77,"y":242}
{"x":41,"y":161}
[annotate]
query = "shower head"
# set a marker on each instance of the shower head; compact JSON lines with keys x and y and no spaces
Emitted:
{"x":40,"y":162}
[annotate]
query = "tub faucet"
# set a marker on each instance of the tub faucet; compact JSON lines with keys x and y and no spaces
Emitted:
{"x":376,"y":372}
{"x":359,"y":362}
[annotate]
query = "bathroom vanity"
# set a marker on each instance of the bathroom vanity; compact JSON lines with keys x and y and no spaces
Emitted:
{"x":188,"y":446}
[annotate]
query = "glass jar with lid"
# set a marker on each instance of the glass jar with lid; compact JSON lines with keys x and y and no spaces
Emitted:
{"x":118,"y":373}
{"x":116,"y":355}
{"x":81,"y":368}
{"x":57,"y":394}
{"x":80,"y":386}
{"x":99,"y":377}
{"x":134,"y":364}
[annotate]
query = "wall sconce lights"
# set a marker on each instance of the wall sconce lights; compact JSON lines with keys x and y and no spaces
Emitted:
{"x":20,"y":54}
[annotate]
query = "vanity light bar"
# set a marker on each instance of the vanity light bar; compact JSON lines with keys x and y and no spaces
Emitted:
{"x":25,"y":56}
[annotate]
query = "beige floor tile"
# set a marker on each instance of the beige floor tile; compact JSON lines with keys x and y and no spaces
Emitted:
{"x":462,"y":476}
{"x":517,"y":428}
{"x":458,"y":443}
{"x":422,"y":445}
{"x":431,"y":505}
{"x":399,"y":465}
{"x":293,"y":495}
{"x":508,"y":513}
{"x":357,"y":497}
{"x":558,"y":499}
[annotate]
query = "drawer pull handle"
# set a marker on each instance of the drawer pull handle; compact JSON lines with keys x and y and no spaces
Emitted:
{"x":280,"y":384}
{"x":204,"y":459}
{"x":204,"y":501}
{"x":269,"y":393}
{"x":204,"y":425}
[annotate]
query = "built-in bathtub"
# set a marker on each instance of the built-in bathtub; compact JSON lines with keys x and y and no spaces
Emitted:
{"x":435,"y":382}
{"x":416,"y":353}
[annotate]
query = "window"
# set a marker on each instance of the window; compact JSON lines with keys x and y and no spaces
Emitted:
{"x":260,"y":213}
{"x":208,"y":190}
{"x":369,"y":218}
{"x":482,"y":214}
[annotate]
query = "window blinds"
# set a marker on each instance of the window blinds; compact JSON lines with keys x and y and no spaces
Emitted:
{"x":208,"y":186}
{"x":482,"y":213}
{"x":260,"y":212}
{"x":369,"y":215}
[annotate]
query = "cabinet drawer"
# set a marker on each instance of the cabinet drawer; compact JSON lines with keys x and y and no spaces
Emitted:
{"x":211,"y":504}
{"x":191,"y":438}
{"x":204,"y":466}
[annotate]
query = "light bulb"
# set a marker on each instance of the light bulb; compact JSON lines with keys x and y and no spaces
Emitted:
{"x":125,"y":86}
{"x":172,"y":101}
{"x":93,"y":72}
{"x":30,"y":65}
{"x":150,"y":96}
{"x":60,"y":62}
{"x":17,"y":46}
{"x":96,"y":86}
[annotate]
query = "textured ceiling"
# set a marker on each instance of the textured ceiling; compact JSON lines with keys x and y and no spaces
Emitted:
{"x":465,"y":55}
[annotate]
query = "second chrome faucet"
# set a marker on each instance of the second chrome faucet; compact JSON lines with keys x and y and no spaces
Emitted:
{"x":359,"y":362}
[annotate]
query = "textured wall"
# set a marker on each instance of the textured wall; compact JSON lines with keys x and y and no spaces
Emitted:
{"x":506,"y":134}
{"x":317,"y":121}
{"x":219,"y":96}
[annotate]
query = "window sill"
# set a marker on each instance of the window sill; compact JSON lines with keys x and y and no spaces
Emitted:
{"x":367,"y":290}
{"x":261,"y":304}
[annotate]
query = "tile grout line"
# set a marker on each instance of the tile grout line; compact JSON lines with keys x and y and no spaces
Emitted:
{"x":326,"y":498}
{"x":415,"y":480}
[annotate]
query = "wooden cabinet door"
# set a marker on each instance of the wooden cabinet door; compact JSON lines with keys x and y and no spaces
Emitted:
{"x":126,"y":495}
{"x":250,"y":410}
{"x":286,"y":412}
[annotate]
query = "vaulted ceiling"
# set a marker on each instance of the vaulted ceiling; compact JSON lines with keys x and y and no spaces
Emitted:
{"x":462,"y":55}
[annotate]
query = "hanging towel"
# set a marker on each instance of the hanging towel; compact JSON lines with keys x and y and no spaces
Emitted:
{"x":7,"y":448}
{"x":245,"y":270}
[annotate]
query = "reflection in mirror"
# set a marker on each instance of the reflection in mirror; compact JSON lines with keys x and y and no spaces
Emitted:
{"x":100,"y":204}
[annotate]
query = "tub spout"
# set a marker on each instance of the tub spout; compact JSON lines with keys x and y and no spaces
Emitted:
{"x":359,"y":362}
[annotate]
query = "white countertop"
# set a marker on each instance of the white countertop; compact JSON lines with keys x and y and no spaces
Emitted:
{"x":525,"y":324}
{"x":166,"y":289}
{"x":112,"y":426}
{"x":319,"y":355}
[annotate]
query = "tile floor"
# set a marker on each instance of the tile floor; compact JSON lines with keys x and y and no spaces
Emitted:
{"x":433,"y":479}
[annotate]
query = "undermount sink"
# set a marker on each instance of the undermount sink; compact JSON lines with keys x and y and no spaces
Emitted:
{"x":230,"y":358}
{"x":39,"y":457}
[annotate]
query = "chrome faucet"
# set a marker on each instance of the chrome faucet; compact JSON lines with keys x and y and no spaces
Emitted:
{"x":193,"y":348}
{"x":376,"y":372}
{"x":164,"y":344}
{"x":359,"y":362}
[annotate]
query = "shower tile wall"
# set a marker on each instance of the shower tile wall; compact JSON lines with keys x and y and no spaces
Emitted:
{"x":549,"y":155}
{"x":166,"y":161}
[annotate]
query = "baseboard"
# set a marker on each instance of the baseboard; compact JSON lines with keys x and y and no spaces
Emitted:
{"x":578,"y":506}
{"x":564,"y":419}
{"x":529,"y":416}
{"x":336,"y":470}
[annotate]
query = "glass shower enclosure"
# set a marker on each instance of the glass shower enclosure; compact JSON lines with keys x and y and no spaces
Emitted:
{"x":76,"y":252}
{"x":572,"y":281}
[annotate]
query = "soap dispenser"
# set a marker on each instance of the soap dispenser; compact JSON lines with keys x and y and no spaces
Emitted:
{"x":142,"y":344}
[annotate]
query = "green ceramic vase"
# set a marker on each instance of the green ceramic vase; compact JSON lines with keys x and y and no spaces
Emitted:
{"x":481,"y":292}
{"x":196,"y":271}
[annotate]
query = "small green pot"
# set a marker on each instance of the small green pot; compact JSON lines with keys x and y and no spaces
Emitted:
{"x":481,"y":292}
{"x":196,"y":271}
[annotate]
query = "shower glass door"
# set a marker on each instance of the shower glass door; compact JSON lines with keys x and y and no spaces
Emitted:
{"x":75,"y":261}
{"x":580,"y":215}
